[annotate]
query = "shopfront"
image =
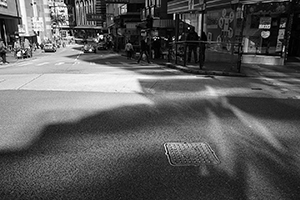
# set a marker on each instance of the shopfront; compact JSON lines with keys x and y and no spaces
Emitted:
{"x":9,"y":18}
{"x":294,"y":41}
{"x":264,"y":35}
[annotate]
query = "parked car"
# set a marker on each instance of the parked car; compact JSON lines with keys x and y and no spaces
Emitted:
{"x":50,"y":47}
{"x":89,"y":48}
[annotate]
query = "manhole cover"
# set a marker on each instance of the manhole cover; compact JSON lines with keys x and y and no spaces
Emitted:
{"x":190,"y":154}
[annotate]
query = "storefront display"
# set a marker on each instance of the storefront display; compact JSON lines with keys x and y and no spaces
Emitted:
{"x":265,"y":28}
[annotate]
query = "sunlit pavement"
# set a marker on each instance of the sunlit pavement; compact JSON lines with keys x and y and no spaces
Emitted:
{"x":94,"y":128}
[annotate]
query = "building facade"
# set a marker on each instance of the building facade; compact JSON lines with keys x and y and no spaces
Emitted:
{"x":9,"y":20}
{"x":261,"y":26}
{"x":35,"y":21}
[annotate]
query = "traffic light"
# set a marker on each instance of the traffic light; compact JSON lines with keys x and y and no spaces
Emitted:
{"x":149,"y":22}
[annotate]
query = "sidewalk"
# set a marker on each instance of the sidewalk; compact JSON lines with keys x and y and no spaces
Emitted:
{"x":290,"y":69}
{"x":11,"y":59}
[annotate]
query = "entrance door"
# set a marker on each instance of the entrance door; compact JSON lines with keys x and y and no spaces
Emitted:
{"x":294,"y":47}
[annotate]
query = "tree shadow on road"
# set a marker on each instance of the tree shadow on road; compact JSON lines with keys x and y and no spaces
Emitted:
{"x":118,"y":153}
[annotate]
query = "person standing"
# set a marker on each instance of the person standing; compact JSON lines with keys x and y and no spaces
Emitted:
{"x":144,"y":50}
{"x":3,"y":51}
{"x":129,"y":49}
{"x":192,"y":44}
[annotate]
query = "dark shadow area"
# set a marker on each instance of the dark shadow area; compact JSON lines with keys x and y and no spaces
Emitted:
{"x":118,"y":154}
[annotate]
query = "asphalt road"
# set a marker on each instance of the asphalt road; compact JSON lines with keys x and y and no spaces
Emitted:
{"x":93,"y":126}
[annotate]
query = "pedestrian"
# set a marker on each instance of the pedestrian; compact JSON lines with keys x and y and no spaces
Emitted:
{"x":3,"y":51}
{"x":192,"y":39}
{"x":203,"y":39}
{"x":129,"y":49}
{"x":144,"y":50}
{"x":157,"y":47}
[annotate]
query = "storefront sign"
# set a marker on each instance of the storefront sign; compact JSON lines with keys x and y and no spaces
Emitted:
{"x":281,"y":34}
{"x":278,"y":46}
{"x":265,"y":34}
{"x":265,"y":23}
{"x":21,"y":29}
{"x":37,"y":24}
{"x":283,"y":23}
{"x":3,"y":3}
{"x":143,"y":33}
{"x":117,"y":1}
{"x":94,"y":17}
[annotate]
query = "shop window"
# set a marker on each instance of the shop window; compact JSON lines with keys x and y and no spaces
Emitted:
{"x":254,"y":21}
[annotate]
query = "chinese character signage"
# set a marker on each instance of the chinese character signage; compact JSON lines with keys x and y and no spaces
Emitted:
{"x":3,"y":3}
{"x":117,"y":1}
{"x":94,"y":17}
{"x":265,"y":23}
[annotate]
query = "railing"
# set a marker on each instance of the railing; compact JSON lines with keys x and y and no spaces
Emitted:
{"x":225,"y":52}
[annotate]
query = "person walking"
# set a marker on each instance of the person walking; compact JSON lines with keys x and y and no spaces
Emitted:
{"x":144,"y":50}
{"x":129,"y":49}
{"x":3,"y":51}
{"x":192,"y":39}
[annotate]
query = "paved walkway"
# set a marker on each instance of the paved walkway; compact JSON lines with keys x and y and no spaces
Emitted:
{"x":12,"y":59}
{"x":230,"y":69}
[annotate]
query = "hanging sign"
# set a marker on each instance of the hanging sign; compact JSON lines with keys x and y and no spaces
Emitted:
{"x":283,"y":22}
{"x":265,"y":34}
{"x":281,"y":34}
{"x":278,"y":46}
{"x":265,"y":23}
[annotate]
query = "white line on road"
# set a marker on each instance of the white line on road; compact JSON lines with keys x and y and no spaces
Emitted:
{"x":23,"y":64}
{"x":60,"y":63}
{"x":76,"y":63}
{"x":44,"y":63}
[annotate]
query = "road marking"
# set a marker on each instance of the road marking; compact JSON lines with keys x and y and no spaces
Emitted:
{"x":60,"y":63}
{"x":23,"y":64}
{"x":44,"y":63}
{"x":92,"y":63}
{"x":76,"y":63}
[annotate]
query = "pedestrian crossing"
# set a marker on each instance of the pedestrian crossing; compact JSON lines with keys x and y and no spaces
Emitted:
{"x":112,"y":63}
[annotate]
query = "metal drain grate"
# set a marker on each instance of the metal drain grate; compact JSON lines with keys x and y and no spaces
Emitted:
{"x":190,"y":154}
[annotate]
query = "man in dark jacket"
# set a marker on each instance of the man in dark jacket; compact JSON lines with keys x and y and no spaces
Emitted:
{"x":144,"y":50}
{"x":192,"y":39}
{"x":3,"y":51}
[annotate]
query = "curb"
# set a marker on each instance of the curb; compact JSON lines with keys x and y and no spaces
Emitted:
{"x":204,"y":72}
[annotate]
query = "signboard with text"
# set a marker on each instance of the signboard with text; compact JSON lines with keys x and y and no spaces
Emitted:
{"x":117,"y":1}
{"x":94,"y":17}
{"x":265,"y":23}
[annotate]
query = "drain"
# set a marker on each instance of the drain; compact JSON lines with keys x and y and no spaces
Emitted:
{"x":190,"y":154}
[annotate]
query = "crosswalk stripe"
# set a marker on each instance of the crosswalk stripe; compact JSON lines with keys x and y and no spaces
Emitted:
{"x":44,"y":63}
{"x":76,"y":63}
{"x":60,"y":63}
{"x":23,"y":64}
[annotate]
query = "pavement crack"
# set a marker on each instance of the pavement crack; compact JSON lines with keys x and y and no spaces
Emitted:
{"x":30,"y":81}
